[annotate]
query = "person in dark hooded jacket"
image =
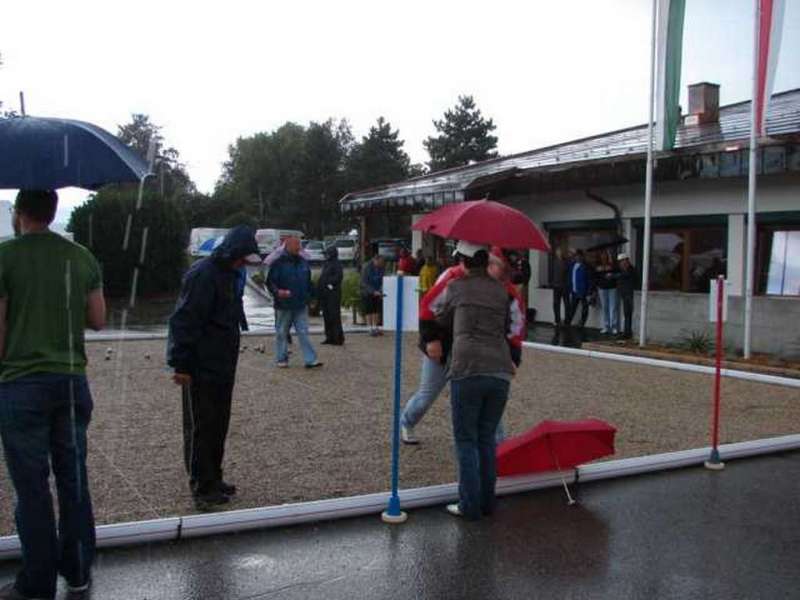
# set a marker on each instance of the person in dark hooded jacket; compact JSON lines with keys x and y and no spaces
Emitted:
{"x":329,"y":292}
{"x":203,"y":349}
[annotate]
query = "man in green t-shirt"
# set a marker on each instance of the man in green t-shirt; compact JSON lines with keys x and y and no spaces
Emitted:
{"x":50,"y":291}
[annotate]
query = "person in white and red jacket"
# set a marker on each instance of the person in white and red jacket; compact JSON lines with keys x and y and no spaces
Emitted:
{"x":435,"y":343}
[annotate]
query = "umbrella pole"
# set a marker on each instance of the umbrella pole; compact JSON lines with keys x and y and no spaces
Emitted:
{"x":570,"y":499}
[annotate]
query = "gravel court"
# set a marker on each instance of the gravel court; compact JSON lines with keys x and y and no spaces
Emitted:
{"x":300,"y":434}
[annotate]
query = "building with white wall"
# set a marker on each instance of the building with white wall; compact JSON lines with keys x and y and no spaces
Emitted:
{"x":591,"y":191}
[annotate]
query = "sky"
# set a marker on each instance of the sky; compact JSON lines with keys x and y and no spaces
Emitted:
{"x":546,"y":72}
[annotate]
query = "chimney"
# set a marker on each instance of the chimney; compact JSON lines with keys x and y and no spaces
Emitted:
{"x":703,"y":103}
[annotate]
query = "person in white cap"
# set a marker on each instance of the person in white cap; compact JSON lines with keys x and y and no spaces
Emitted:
{"x":475,"y":312}
{"x":435,"y":344}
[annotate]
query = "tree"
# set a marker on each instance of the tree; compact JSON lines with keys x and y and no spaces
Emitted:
{"x":262,"y":174}
{"x":100,"y":224}
{"x":171,"y":179}
{"x":464,"y":137}
{"x":323,"y":175}
{"x":379,"y":158}
{"x":291,"y":177}
{"x":239,"y":218}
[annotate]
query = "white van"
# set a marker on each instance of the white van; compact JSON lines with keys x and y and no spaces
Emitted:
{"x":347,"y":249}
{"x":267,"y":239}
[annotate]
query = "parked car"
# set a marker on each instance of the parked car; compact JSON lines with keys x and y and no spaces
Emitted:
{"x":388,"y":248}
{"x":346,"y":248}
{"x":316,"y":250}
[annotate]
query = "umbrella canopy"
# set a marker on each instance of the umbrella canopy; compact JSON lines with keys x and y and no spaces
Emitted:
{"x":484,"y":222}
{"x":555,"y":445}
{"x":41,"y":153}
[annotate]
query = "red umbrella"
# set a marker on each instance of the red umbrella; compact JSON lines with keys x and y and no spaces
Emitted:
{"x":484,"y":222}
{"x":555,"y":445}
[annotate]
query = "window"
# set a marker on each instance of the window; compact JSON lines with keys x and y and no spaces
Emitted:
{"x":580,"y":239}
{"x":779,"y":261}
{"x":685,"y":259}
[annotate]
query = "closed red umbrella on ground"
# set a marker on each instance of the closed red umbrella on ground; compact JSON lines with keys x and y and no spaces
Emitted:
{"x":555,"y":445}
{"x":484,"y":222}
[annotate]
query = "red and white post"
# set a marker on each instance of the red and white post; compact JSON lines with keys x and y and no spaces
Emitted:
{"x":714,"y":463}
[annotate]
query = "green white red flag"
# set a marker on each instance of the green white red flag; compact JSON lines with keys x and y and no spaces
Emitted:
{"x":669,"y":43}
{"x":770,"y":24}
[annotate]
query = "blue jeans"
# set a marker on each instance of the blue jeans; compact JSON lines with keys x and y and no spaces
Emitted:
{"x":432,"y":380}
{"x":43,"y":421}
{"x":477,"y":407}
{"x":284,"y":319}
{"x":609,"y":299}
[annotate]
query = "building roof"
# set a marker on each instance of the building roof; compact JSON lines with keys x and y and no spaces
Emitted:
{"x":451,"y":185}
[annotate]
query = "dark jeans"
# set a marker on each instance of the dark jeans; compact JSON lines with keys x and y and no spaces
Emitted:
{"x":43,"y":422}
{"x":583,"y":301}
{"x":627,"y":310}
{"x":477,"y":405}
{"x":206,"y":416}
{"x":560,"y":295}
{"x":331,"y":304}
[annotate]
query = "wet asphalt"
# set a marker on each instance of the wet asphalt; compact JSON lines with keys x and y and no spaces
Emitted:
{"x":685,"y":534}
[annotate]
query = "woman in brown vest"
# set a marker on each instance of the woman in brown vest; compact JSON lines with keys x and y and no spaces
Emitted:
{"x":476,"y":311}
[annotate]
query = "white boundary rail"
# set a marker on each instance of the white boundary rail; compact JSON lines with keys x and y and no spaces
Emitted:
{"x":175,"y":528}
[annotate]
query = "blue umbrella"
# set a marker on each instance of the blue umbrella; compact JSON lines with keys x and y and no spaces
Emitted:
{"x":43,"y":153}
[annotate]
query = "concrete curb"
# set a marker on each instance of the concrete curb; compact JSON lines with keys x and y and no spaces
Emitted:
{"x":176,"y":528}
{"x":667,"y":364}
{"x":134,"y":336}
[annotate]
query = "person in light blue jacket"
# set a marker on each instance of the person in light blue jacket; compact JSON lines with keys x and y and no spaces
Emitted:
{"x":289,"y":282}
{"x":580,"y":287}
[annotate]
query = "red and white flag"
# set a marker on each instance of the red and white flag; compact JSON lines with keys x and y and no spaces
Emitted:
{"x":769,"y":26}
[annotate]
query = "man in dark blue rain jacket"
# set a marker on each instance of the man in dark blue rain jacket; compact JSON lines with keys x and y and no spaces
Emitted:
{"x":580,"y":287}
{"x":203,"y":349}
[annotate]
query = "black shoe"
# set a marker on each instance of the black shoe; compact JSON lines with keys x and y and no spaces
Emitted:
{"x":209,"y":502}
{"x":79,"y":592}
{"x":227,"y":488}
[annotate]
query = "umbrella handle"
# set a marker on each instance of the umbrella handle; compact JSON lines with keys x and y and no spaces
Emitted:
{"x":570,"y":500}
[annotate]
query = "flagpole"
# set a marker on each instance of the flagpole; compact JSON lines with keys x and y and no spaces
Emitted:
{"x":648,"y":187}
{"x":751,"y":190}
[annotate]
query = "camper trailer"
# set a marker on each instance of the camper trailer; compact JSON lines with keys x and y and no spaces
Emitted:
{"x":269,"y":238}
{"x":199,"y":236}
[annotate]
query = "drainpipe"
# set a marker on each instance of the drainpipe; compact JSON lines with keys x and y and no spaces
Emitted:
{"x":613,"y":207}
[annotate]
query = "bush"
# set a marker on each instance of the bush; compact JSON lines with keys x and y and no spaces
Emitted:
{"x":100,"y":224}
{"x":351,"y":290}
{"x":699,"y":342}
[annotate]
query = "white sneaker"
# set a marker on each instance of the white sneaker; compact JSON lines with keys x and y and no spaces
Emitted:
{"x":604,"y":330}
{"x":282,"y":364}
{"x":455,"y":510}
{"x":407,"y":435}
